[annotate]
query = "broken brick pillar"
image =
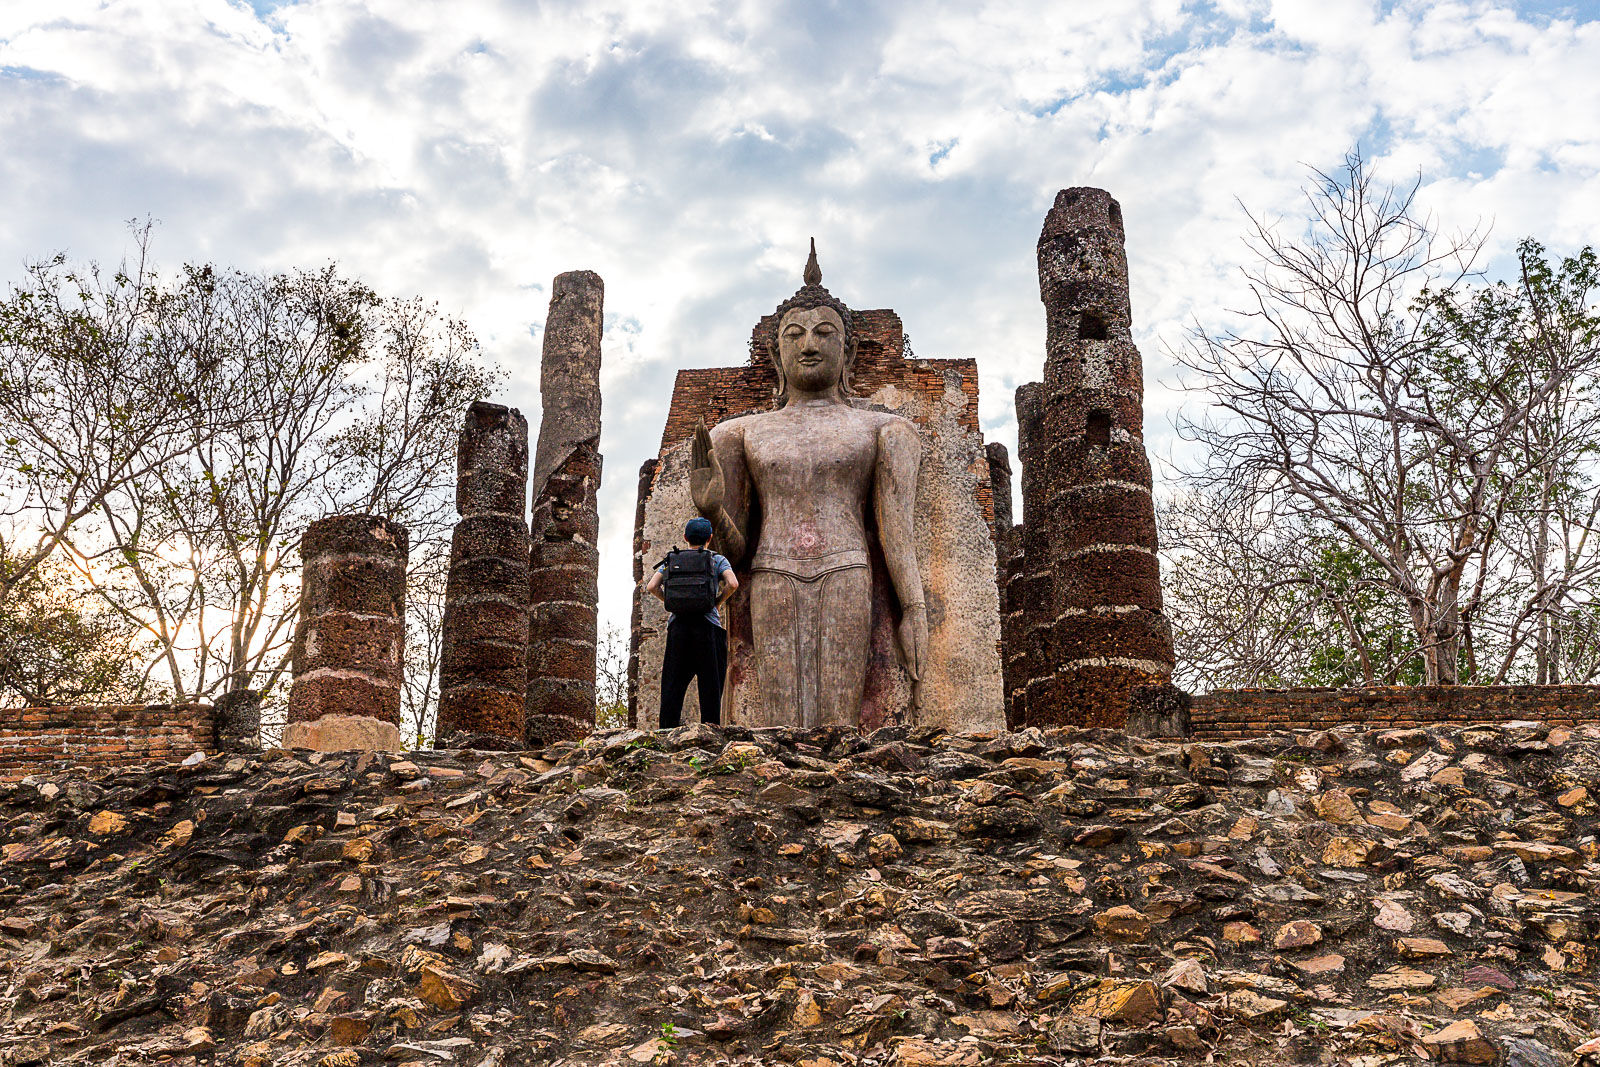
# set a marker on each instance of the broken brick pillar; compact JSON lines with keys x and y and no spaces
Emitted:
{"x":564,"y":560}
{"x":349,"y":642}
{"x":636,"y":631}
{"x":483,"y":664}
{"x":1088,"y":504}
{"x":1000,"y":492}
{"x":1029,"y":579}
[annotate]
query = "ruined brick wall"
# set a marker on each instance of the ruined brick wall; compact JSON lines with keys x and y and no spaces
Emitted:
{"x":1091,"y":603}
{"x":955,"y":528}
{"x":1233,"y":713}
{"x":102,"y":735}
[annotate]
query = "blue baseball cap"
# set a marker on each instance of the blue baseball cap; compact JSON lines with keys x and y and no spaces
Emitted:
{"x":697,"y":531}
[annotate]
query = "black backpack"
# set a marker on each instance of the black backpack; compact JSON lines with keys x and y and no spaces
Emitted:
{"x":690,"y":584}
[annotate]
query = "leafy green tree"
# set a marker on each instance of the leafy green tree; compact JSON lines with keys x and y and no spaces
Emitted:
{"x":1257,"y":601}
{"x":1536,"y":576}
{"x":1376,"y":391}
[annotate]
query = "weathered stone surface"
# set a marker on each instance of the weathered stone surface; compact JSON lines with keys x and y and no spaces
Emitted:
{"x":564,"y":558}
{"x":349,"y":646}
{"x":483,"y":668}
{"x":724,"y":894}
{"x":344,"y":733}
{"x":238,"y":720}
{"x":1126,"y":1003}
{"x":1461,"y":1042}
{"x":1090,"y":539}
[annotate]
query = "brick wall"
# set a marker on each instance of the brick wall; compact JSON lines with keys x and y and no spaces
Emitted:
{"x":1231,"y":713}
{"x":107,"y":735}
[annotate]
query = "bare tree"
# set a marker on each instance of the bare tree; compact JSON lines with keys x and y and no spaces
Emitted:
{"x":300,"y":395}
{"x":1346,"y":402}
{"x":611,"y":679}
{"x":1261,"y":602}
{"x":426,"y":580}
{"x":90,"y":399}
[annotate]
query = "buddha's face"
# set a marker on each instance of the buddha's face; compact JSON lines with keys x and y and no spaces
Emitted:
{"x":811,"y":349}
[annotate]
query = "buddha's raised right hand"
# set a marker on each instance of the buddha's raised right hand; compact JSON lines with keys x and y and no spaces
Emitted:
{"x":706,"y":485}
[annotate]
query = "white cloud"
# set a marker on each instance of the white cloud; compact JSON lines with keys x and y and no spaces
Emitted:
{"x":470,"y":151}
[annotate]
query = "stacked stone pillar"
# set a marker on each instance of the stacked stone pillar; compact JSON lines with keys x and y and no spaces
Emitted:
{"x":636,"y":634}
{"x":1088,"y":505}
{"x":483,"y":668}
{"x":1029,"y":577}
{"x":564,"y":560}
{"x":349,"y":646}
{"x":1000,"y":493}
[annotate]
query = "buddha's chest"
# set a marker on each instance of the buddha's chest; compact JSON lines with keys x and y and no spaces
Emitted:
{"x":812,"y":453}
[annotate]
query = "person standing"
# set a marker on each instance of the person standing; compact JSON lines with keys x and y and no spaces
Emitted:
{"x":693,"y":583}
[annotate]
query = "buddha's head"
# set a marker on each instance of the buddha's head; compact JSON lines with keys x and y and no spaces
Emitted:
{"x":816,"y":344}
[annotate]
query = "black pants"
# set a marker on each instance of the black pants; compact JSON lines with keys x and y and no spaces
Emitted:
{"x":696,"y":648}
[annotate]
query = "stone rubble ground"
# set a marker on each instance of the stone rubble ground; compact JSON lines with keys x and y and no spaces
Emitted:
{"x":910,"y":898}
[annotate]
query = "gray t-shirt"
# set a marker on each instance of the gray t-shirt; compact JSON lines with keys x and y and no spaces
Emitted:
{"x":719,"y":567}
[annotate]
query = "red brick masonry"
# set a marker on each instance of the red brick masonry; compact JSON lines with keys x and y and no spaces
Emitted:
{"x":1231,"y":713}
{"x":106,"y":735}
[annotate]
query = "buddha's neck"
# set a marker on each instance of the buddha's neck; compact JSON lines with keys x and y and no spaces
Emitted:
{"x":820,"y":398}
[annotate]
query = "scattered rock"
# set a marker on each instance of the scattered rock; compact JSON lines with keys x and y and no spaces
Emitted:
{"x":717,"y":894}
{"x":1461,"y":1042}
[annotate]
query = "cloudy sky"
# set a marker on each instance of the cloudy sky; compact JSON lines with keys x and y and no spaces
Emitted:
{"x":468,"y":151}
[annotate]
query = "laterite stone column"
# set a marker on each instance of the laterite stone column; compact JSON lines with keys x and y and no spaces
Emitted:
{"x":349,"y":644}
{"x":1029,"y":577}
{"x":1106,"y":631}
{"x":1000,"y":492}
{"x":483,"y":666}
{"x":564,"y":562}
{"x":636,"y":634}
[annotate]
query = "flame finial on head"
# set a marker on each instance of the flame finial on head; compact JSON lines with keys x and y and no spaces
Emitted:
{"x":812,"y":294}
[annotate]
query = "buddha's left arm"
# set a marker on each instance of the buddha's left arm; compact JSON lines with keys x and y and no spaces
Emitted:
{"x":895,"y":498}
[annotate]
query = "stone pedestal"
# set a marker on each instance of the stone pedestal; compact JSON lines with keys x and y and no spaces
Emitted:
{"x":238,"y":719}
{"x":483,"y":667}
{"x":564,"y":560}
{"x":1159,"y":711}
{"x":349,"y":646}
